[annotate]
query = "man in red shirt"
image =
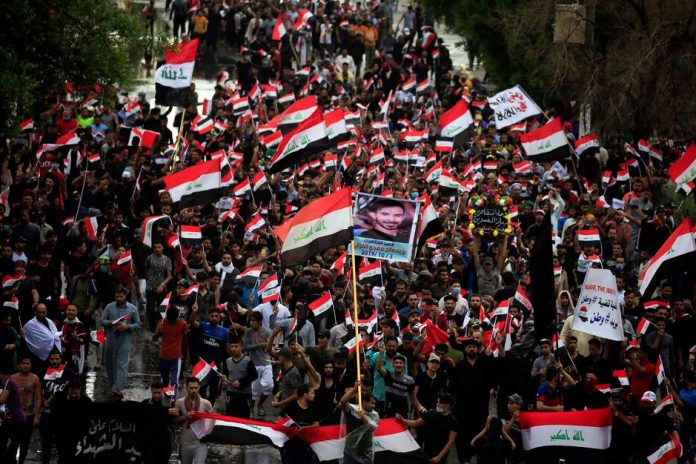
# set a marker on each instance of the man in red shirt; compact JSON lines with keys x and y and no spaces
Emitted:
{"x":642,"y":371}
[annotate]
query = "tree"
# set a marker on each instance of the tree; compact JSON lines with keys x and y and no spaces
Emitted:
{"x":45,"y":44}
{"x":636,"y":72}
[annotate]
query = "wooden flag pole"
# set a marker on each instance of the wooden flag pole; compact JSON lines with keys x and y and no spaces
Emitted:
{"x":179,"y":136}
{"x":355,"y":325}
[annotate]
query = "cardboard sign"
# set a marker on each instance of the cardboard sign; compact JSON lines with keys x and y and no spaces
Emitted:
{"x":597,"y":311}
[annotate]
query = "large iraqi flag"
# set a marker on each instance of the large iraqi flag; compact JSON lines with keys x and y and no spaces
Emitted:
{"x":672,"y":257}
{"x":215,"y":428}
{"x":298,"y":145}
{"x":323,"y":223}
{"x":576,"y":436}
{"x":197,"y":185}
{"x":392,"y":442}
{"x":173,"y":78}
{"x":547,"y":143}
{"x":455,"y":122}
{"x":684,"y":169}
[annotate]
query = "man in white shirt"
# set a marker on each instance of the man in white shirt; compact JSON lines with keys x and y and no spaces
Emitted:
{"x":274,"y":310}
{"x":344,"y":57}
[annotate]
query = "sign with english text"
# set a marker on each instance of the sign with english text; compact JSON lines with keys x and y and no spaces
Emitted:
{"x":597,"y":311}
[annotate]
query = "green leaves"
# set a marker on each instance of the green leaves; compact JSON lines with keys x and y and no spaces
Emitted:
{"x":45,"y":43}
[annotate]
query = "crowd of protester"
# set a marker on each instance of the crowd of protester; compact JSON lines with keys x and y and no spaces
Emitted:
{"x":64,"y":283}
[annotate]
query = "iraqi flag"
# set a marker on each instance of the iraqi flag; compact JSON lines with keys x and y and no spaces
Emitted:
{"x":92,"y":227}
{"x":148,"y":227}
{"x":669,"y":452}
{"x":684,"y":169}
{"x":340,"y":264}
{"x":321,"y":304}
{"x":429,"y":225}
{"x":547,"y":143}
{"x":589,"y":237}
{"x":225,"y":430}
{"x":296,"y":113}
{"x":522,"y":298}
{"x":444,"y":145}
{"x":370,"y":274}
{"x":191,"y":232}
{"x":27,"y":124}
{"x":143,"y":137}
{"x":643,"y":326}
{"x":659,"y":370}
{"x":250,"y":275}
{"x":125,"y":259}
{"x":392,"y":442}
{"x":577,"y":436}
{"x":324,"y":223}
{"x":305,"y":140}
{"x":336,"y":129}
{"x":12,"y":303}
{"x":197,"y":185}
{"x":11,"y":280}
{"x":673,"y":256}
{"x":173,"y":79}
{"x":586,"y":142}
{"x":268,"y":283}
{"x":54,"y":373}
{"x":271,"y":294}
{"x":202,"y":369}
{"x":455,"y":122}
{"x":621,"y":376}
{"x":279,"y":29}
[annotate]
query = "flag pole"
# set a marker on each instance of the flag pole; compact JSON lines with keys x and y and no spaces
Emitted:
{"x":175,"y":156}
{"x":355,"y":325}
{"x":82,"y":192}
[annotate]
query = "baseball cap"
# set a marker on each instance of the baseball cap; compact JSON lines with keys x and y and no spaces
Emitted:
{"x":433,"y":357}
{"x":516,"y":398}
{"x":649,"y":397}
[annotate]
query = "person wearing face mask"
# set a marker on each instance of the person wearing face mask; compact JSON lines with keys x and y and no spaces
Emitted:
{"x":437,"y":428}
{"x":461,"y":306}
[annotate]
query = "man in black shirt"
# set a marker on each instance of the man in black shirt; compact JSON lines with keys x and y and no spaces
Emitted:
{"x":440,"y":431}
{"x":302,"y":413}
{"x":53,"y":384}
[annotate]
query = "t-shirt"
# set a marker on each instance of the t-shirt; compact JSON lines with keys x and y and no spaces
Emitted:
{"x":157,"y":270}
{"x":252,"y":338}
{"x":435,"y":432}
{"x":13,"y":405}
{"x":53,"y":386}
{"x":550,"y":396}
{"x":397,"y":389}
{"x":642,"y":381}
{"x":172,"y":337}
{"x":213,"y":340}
{"x":184,"y":307}
{"x":429,"y":388}
{"x":290,"y":380}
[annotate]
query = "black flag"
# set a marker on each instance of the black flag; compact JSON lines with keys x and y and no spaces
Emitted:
{"x":542,"y":282}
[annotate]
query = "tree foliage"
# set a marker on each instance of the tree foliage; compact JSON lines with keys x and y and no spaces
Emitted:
{"x":637,"y":74}
{"x":46,"y":43}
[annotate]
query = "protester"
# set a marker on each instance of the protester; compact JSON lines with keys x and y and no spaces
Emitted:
{"x":121,"y":319}
{"x":192,"y":450}
{"x":13,"y":420}
{"x":30,"y":390}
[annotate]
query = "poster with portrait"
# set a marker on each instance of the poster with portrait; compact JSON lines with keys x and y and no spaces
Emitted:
{"x":385,"y":228}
